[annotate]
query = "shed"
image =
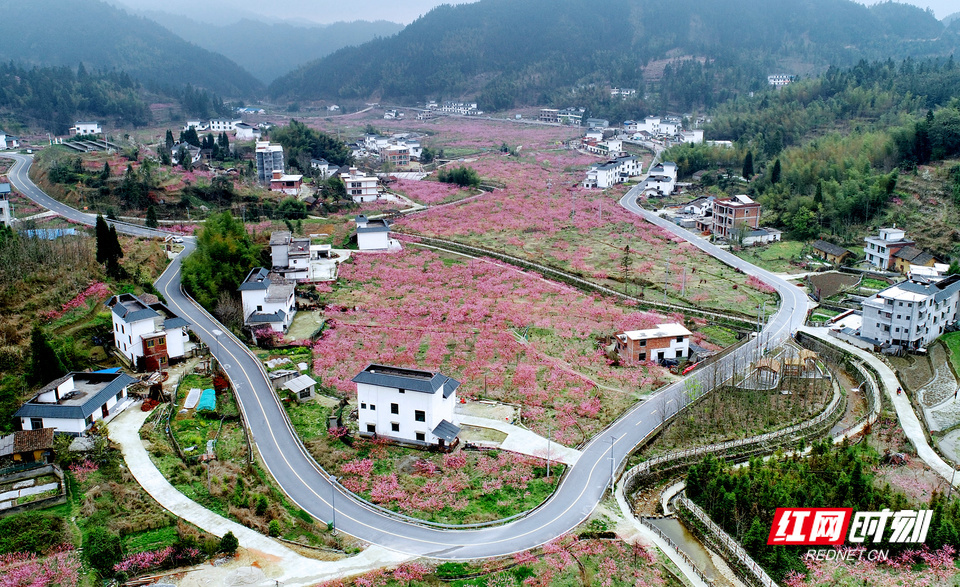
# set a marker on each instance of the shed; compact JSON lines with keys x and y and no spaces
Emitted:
{"x":304,"y":387}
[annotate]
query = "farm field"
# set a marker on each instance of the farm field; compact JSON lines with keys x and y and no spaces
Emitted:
{"x":540,"y":217}
{"x":506,"y":335}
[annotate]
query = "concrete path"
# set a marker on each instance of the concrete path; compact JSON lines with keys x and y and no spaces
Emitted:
{"x":280,"y":563}
{"x":908,"y":418}
{"x":523,"y":441}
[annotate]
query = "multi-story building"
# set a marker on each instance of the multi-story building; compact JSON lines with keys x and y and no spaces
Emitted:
{"x":549,"y":115}
{"x":360,"y":186}
{"x":666,"y":341}
{"x":146,"y":332}
{"x":407,"y":405}
{"x":372,"y":235}
{"x":269,"y":159}
{"x":911,"y":314}
{"x":779,"y":80}
{"x":619,"y":170}
{"x":288,"y":184}
{"x":397,"y":155}
{"x":266,"y":301}
{"x":730,"y":214}
{"x":290,"y":256}
{"x":880,"y":250}
{"x":6,"y":210}
{"x":86,"y":128}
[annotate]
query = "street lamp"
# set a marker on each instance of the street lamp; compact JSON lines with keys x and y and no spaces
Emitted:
{"x":333,"y":501}
{"x":216,"y":336}
{"x":613,"y":439}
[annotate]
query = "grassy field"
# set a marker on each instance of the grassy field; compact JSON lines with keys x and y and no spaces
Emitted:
{"x":778,"y":257}
{"x":952,"y":340}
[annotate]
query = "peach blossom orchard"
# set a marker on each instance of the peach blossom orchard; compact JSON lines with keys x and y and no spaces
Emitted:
{"x":542,"y":215}
{"x":464,"y":317}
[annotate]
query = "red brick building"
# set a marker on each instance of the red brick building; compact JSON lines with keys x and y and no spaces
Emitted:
{"x":731,"y":213}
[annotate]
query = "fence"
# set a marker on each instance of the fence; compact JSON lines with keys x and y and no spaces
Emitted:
{"x":763,"y":441}
{"x":723,"y":541}
{"x":646,"y":524}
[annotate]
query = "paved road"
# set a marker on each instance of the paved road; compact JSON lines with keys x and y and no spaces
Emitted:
{"x":580,"y":489}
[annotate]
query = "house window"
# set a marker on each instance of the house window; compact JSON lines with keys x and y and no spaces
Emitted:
{"x":372,"y":428}
{"x":395,"y":426}
{"x":419,"y":416}
{"x":421,"y":437}
{"x":149,"y":344}
{"x":402,"y":390}
{"x":394,"y":408}
{"x":89,"y":420}
{"x":641,"y":356}
{"x":679,"y":339}
{"x":304,"y":394}
{"x":363,"y":406}
{"x":36,"y":423}
{"x":259,"y":308}
{"x":643,"y":343}
{"x":373,"y":407}
{"x":119,"y":395}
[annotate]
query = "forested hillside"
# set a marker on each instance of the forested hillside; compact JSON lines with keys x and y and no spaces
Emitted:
{"x":536,"y":51}
{"x":290,"y":45}
{"x":66,"y":32}
{"x":827,"y":153}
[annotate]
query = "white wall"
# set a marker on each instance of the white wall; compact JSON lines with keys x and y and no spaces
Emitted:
{"x":373,"y":241}
{"x":126,"y":337}
{"x":434,"y":406}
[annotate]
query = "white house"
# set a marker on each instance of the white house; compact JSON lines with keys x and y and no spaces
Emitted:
{"x":6,"y":210}
{"x":8,"y":141}
{"x":911,"y":314}
{"x":692,"y":136}
{"x":880,"y":250}
{"x":323,"y":166}
{"x":224,"y":124}
{"x":407,"y":405}
{"x":198,"y":125}
{"x":74,"y":402}
{"x":289,"y":184}
{"x":245,"y":132}
{"x":779,"y":80}
{"x":86,"y":128}
{"x":267,"y":302}
{"x":372,"y":235}
{"x":146,"y":332}
{"x":619,"y":170}
{"x":360,"y":186}
{"x":290,"y":256}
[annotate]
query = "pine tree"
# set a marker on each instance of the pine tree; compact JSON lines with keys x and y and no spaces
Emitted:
{"x":105,"y":174}
{"x":168,"y":141}
{"x":152,"y":217}
{"x":818,"y":196}
{"x":103,"y":240}
{"x":775,"y":173}
{"x":748,"y":165}
{"x":45,"y":365}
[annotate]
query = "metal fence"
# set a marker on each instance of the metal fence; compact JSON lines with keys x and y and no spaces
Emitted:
{"x":731,"y":546}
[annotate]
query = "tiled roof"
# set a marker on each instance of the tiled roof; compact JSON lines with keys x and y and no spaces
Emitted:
{"x":830,"y":248}
{"x":412,"y":379}
{"x":113,"y":384}
{"x":31,"y":440}
{"x":447,"y":431}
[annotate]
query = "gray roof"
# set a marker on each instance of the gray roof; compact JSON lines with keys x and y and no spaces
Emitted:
{"x":278,"y":316}
{"x":4,"y":188}
{"x":256,"y":279}
{"x":411,"y":379}
{"x":830,"y":248}
{"x":279,"y":237}
{"x":940,"y":290}
{"x":447,"y":431}
{"x":279,"y":292}
{"x":6,"y":442}
{"x":131,"y":308}
{"x":99,"y":388}
{"x":378,"y":225}
{"x":175,"y":322}
{"x":300,"y":383}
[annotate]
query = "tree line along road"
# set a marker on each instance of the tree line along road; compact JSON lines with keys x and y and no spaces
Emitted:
{"x":310,"y":488}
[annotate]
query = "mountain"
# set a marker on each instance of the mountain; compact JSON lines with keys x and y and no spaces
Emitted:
{"x":273,"y":49}
{"x":530,"y":51}
{"x":68,"y":32}
{"x":950,"y":18}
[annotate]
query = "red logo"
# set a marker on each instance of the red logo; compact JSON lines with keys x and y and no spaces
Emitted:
{"x":809,"y":526}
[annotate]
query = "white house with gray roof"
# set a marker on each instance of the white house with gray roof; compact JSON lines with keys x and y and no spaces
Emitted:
{"x":74,"y":402}
{"x":372,"y":235}
{"x":911,"y":314}
{"x":146,"y":332}
{"x":267,"y":301}
{"x":407,"y":405}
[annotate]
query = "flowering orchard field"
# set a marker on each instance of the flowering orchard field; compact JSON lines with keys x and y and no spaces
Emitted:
{"x":462,"y":316}
{"x":430,"y":192}
{"x":541,"y":216}
{"x":60,"y":568}
{"x":917,"y":567}
{"x":460,"y":487}
{"x":565,"y":561}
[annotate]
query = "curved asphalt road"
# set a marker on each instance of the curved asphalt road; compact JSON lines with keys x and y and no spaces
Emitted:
{"x":580,"y":489}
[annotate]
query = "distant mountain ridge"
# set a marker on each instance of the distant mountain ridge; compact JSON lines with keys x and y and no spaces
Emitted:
{"x":270,"y":50}
{"x":523,"y":51}
{"x":68,"y":32}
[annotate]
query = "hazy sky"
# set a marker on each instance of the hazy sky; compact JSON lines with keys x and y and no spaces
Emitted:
{"x":325,"y":11}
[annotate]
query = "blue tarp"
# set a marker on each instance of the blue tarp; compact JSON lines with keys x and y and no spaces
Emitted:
{"x":111,"y":370}
{"x":208,"y":401}
{"x":49,"y":233}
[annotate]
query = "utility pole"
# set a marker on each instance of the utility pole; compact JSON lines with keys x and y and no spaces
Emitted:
{"x":612,"y":440}
{"x":666,"y":279}
{"x":549,"y":434}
